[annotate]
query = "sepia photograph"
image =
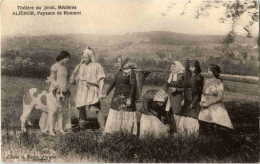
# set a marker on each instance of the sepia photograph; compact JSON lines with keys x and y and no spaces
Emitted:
{"x":151,"y":81}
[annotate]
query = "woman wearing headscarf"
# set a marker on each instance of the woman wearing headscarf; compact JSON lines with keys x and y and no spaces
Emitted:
{"x":213,"y":111}
{"x":154,"y":114}
{"x":193,"y":84}
{"x":122,"y":113}
{"x":90,"y":81}
{"x":175,"y":89}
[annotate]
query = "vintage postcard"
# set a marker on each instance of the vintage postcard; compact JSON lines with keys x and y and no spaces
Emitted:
{"x":157,"y":81}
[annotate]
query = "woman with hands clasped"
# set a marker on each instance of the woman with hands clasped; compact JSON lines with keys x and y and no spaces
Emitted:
{"x":193,"y":84}
{"x":122,"y":113}
{"x":174,"y":88}
{"x":213,"y":114}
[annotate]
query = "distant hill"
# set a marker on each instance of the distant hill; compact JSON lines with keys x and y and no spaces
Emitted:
{"x":137,"y":45}
{"x":155,"y":49}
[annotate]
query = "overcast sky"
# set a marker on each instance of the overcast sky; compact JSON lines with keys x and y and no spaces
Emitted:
{"x":117,"y":17}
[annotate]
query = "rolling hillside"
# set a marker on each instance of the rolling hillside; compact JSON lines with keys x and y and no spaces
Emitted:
{"x":156,"y":45}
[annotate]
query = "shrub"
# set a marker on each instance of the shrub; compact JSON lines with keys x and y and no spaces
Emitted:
{"x":24,"y":67}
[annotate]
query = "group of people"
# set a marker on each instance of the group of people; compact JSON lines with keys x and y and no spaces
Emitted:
{"x":191,"y":104}
{"x":185,"y":104}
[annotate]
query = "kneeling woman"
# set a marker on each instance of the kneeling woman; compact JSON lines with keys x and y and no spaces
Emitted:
{"x":154,"y":106}
{"x":213,"y":111}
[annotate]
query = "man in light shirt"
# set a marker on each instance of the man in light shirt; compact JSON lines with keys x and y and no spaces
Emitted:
{"x":90,"y":82}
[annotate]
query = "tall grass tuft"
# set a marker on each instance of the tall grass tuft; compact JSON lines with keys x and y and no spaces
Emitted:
{"x":120,"y":147}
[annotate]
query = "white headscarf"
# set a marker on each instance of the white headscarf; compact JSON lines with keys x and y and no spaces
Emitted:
{"x":178,"y":69}
{"x":162,"y":96}
{"x":90,"y":53}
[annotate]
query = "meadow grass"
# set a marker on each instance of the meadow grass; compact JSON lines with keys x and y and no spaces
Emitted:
{"x":91,"y":146}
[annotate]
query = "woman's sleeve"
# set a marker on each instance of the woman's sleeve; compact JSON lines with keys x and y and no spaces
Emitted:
{"x":146,"y":100}
{"x":199,"y":89}
{"x":133,"y":84}
{"x":144,"y":108}
{"x":168,"y":82}
{"x":112,"y":85}
{"x":166,"y":86}
{"x":219,"y":94}
{"x":180,"y":86}
{"x":53,"y":75}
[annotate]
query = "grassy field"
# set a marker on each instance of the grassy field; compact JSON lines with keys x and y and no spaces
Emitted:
{"x":90,"y":146}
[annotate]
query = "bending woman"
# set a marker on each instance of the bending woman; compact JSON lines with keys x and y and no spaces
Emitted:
{"x":154,"y":106}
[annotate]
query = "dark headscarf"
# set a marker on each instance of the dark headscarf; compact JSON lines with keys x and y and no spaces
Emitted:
{"x":194,"y":63}
{"x":189,"y":63}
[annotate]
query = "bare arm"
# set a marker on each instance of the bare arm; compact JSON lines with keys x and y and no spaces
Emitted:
{"x":101,"y":86}
{"x":53,"y":76}
{"x":111,"y":86}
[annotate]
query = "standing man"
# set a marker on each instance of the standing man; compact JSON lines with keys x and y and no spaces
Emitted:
{"x":90,"y":82}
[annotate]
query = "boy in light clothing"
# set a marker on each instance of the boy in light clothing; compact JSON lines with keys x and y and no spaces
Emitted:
{"x":90,"y":82}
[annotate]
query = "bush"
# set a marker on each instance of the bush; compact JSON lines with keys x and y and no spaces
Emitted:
{"x":229,"y":67}
{"x":24,"y":67}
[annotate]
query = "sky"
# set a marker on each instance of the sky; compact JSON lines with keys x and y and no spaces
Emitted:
{"x":116,"y":17}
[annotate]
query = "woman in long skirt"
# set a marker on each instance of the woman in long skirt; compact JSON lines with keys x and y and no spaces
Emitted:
{"x":213,"y":113}
{"x":193,"y":84}
{"x":175,"y":89}
{"x":122,"y":113}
